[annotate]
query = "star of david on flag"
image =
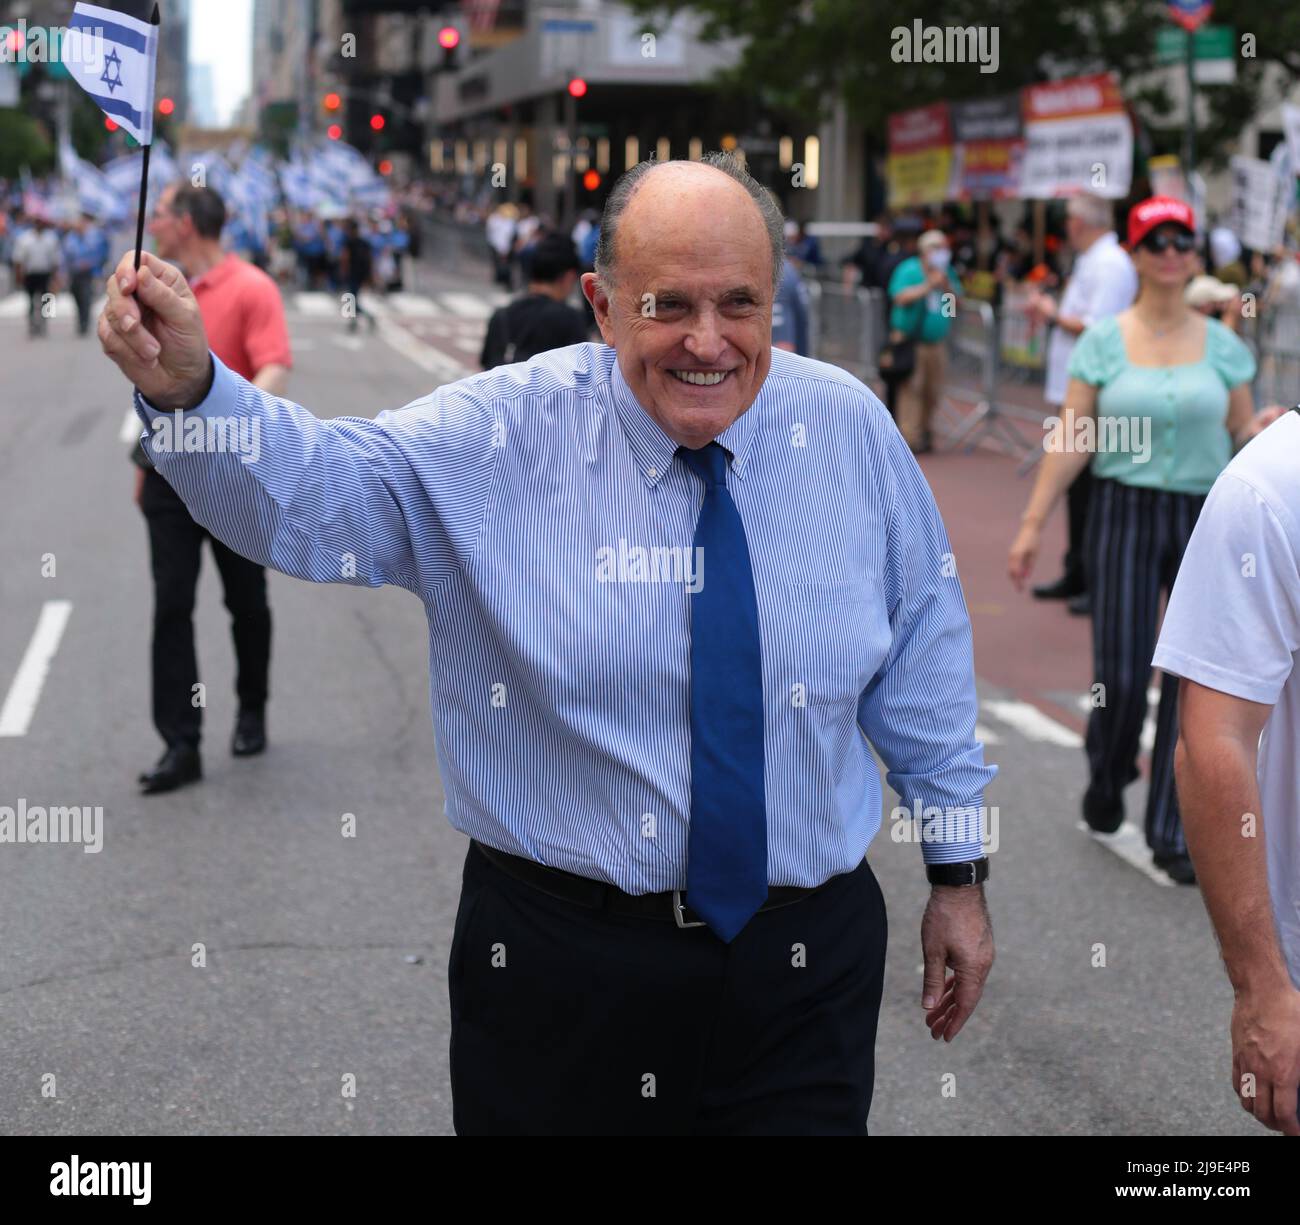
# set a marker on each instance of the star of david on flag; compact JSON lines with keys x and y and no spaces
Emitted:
{"x":111,"y":51}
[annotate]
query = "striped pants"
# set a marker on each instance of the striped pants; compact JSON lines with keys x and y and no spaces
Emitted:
{"x":1136,"y":540}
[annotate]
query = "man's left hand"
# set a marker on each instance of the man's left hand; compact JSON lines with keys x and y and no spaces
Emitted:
{"x":955,"y":933}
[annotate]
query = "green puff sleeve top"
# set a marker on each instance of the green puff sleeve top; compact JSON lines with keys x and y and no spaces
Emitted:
{"x":1161,"y":427}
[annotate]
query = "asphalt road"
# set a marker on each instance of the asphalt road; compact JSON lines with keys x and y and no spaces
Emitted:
{"x":325,"y":956}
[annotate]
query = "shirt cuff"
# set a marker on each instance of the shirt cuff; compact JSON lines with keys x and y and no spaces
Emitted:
{"x":221,"y":398}
{"x":947,"y":835}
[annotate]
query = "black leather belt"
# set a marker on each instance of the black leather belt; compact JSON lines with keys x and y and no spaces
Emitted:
{"x":597,"y":895}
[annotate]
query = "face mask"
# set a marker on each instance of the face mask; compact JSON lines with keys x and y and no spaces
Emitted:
{"x":940,"y":257}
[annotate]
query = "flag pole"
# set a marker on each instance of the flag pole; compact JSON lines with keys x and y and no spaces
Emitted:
{"x":144,"y":178}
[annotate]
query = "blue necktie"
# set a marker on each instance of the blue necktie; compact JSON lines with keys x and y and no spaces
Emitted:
{"x":726,"y":872}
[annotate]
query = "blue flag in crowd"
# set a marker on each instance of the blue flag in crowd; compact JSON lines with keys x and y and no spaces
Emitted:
{"x":112,"y":54}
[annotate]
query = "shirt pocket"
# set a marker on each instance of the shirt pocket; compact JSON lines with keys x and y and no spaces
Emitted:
{"x":824,"y":631}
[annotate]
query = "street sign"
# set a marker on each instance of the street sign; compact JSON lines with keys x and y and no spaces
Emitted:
{"x":1214,"y":52}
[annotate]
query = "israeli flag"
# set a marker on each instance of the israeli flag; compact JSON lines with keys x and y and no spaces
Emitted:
{"x":111,"y":51}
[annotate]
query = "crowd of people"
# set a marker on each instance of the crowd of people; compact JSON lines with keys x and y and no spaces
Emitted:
{"x":47,"y":256}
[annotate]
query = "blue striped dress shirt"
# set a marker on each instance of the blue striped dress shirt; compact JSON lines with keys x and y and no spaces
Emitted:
{"x":545,"y":522}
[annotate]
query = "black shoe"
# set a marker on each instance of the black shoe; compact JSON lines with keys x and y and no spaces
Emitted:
{"x":1064,"y":588}
{"x":1080,"y":605}
{"x":250,"y":734}
{"x":1103,"y":814}
{"x":1178,"y":868}
{"x":176,"y":767}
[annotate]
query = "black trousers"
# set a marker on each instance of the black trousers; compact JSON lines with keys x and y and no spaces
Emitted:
{"x":175,"y":545}
{"x":83,"y":293}
{"x":1136,"y":540}
{"x":1077,"y":500}
{"x":567,"y":1020}
{"x":36,"y":285}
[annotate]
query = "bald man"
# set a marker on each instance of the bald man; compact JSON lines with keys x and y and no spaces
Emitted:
{"x":677,"y":585}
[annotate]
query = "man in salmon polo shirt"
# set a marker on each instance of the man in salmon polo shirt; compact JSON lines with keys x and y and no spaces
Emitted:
{"x":244,"y":318}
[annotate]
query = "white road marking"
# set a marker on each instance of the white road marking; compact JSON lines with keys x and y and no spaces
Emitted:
{"x":132,"y":427}
{"x":1130,"y":844}
{"x":465,"y":304}
{"x":1031,"y":723}
{"x":444,"y":368}
{"x":354,"y":343}
{"x":20,"y":704}
{"x":314,"y":302}
{"x":413,"y":305}
{"x":14,"y":306}
{"x":467,"y":344}
{"x":986,"y":735}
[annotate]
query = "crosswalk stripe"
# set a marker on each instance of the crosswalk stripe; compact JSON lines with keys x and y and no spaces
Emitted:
{"x":1130,"y":844}
{"x":1031,"y":723}
{"x":465,"y":304}
{"x":20,"y":703}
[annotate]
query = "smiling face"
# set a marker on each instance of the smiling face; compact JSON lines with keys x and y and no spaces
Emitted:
{"x":690,"y":310}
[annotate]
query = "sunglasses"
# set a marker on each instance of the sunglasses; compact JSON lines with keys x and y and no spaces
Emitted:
{"x":1158,"y":244}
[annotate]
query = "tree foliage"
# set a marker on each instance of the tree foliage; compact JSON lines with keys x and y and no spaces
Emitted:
{"x":800,"y":56}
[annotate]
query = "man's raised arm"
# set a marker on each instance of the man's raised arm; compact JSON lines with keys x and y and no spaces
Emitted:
{"x":347,"y":500}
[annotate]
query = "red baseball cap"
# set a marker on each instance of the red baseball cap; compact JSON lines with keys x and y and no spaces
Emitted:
{"x":1158,"y":210}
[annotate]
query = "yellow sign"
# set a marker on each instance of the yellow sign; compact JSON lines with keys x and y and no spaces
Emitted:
{"x":918,"y":177}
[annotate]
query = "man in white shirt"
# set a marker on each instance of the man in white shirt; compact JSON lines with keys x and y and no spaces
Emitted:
{"x":1102,"y":282}
{"x":36,"y":259}
{"x":1232,"y":632}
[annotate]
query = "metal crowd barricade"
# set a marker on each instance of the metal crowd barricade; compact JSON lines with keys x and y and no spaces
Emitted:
{"x":846,"y":326}
{"x":974,"y":369}
{"x":1275,"y":339}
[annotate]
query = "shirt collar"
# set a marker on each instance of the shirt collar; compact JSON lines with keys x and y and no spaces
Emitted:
{"x":214,"y":276}
{"x":654,"y":450}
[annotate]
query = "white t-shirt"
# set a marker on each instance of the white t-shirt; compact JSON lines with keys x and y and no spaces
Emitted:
{"x":1102,"y":283}
{"x":1233,"y":625}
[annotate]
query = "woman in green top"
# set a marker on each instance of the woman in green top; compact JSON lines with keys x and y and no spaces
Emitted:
{"x":923,"y":293}
{"x":1158,"y":398}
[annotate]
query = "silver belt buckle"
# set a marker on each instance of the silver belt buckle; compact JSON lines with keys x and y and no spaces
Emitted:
{"x":679,"y":912}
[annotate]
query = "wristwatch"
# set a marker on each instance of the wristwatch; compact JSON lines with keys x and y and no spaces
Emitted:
{"x":971,"y":872}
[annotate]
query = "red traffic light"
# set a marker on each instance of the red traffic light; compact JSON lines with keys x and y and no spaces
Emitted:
{"x":333,"y":102}
{"x":110,"y":124}
{"x":377,"y":122}
{"x":449,"y":38}
{"x":577,"y":87}
{"x":166,"y":106}
{"x":385,"y":167}
{"x":591,"y":180}
{"x":334,"y":132}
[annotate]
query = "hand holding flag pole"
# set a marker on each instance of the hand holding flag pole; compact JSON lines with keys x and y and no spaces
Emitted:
{"x":114,"y":58}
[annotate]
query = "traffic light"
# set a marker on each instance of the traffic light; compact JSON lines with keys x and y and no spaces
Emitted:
{"x":385,"y":167}
{"x":577,"y":87}
{"x":591,"y":180}
{"x":377,"y":122}
{"x":110,"y":124}
{"x":448,"y":40}
{"x":332,"y":102}
{"x":166,"y":106}
{"x":334,"y":132}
